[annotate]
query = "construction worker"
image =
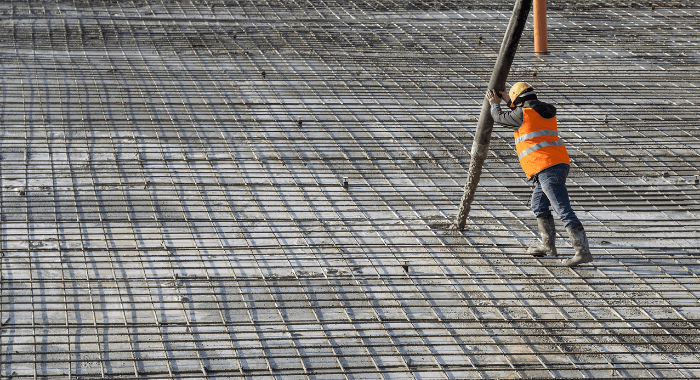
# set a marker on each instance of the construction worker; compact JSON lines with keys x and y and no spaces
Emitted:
{"x":544,"y":159}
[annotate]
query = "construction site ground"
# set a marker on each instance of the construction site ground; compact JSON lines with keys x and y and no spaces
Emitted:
{"x":263,"y":189}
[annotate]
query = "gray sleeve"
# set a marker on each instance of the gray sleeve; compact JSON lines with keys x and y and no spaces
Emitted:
{"x":512,"y":118}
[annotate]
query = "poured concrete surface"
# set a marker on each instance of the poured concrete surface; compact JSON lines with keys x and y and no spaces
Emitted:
{"x":171,"y":211}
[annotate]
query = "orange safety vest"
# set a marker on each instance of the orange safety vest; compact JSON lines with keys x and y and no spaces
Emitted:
{"x":538,"y":144}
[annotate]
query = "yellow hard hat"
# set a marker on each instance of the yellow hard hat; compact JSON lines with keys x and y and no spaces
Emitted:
{"x":518,"y":89}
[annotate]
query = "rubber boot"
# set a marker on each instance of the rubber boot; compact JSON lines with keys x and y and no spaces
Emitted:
{"x":546,"y":245}
{"x":580,"y":243}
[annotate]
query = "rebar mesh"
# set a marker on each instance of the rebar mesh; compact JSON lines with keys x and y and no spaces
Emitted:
{"x":173,"y":204}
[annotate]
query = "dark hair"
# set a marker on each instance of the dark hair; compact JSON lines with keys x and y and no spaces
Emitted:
{"x":532,"y":96}
{"x":525,"y":96}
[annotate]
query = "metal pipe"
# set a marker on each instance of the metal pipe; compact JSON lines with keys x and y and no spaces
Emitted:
{"x":539,"y":13}
{"x":480,"y":146}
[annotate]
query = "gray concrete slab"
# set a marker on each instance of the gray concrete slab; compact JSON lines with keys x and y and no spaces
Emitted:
{"x":168,"y":211}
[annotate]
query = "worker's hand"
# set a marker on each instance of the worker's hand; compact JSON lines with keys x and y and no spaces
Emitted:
{"x":493,"y":97}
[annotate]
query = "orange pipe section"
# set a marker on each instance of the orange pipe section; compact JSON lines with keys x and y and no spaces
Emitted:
{"x":540,"y":16}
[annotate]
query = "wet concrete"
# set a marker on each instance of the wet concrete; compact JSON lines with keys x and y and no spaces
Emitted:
{"x":166,"y":215}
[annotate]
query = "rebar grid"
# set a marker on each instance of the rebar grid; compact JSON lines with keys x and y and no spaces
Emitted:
{"x":173,"y":205}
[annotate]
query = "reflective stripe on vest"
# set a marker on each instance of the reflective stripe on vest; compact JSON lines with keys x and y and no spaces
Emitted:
{"x":538,"y":144}
{"x":536,"y":134}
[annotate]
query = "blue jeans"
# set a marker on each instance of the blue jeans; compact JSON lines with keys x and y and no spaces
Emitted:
{"x":550,"y":190}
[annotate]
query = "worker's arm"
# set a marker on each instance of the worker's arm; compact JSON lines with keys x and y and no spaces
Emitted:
{"x":511,"y":118}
